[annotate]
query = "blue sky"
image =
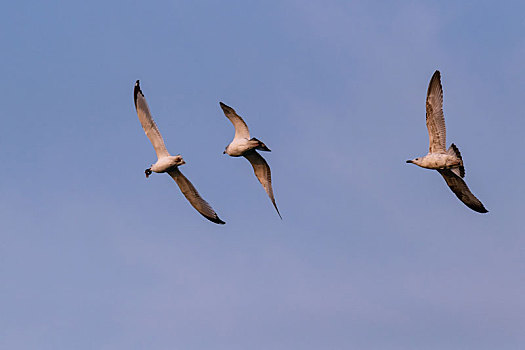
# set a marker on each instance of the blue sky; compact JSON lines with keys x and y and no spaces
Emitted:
{"x":372,"y":253}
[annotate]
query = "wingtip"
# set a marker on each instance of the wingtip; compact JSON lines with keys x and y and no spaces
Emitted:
{"x":216,"y":220}
{"x":277,"y":209}
{"x":435,"y":85}
{"x":436,"y":75}
{"x":226,"y":108}
{"x":477,"y":207}
{"x":136,"y":91}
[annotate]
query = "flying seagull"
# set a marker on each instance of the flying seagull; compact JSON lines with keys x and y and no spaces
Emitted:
{"x":447,"y":162}
{"x":243,"y":145}
{"x":167,"y":163}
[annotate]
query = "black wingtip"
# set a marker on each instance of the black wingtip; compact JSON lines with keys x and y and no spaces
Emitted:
{"x":436,"y":79}
{"x":477,"y":207}
{"x":136,"y":91}
{"x":277,"y":209}
{"x":226,"y":108}
{"x":435,"y":76}
{"x":481,"y":210}
{"x":215,"y":220}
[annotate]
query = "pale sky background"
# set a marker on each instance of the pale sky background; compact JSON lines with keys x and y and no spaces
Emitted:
{"x":372,"y":253}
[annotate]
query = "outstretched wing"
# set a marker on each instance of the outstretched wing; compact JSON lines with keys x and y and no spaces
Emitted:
{"x":148,"y":124}
{"x":191,"y":194}
{"x":461,"y":190}
{"x":263,"y":173}
{"x":437,"y":132}
{"x":241,"y":129}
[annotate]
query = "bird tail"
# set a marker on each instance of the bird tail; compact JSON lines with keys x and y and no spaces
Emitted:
{"x":260,"y":145}
{"x":453,"y":150}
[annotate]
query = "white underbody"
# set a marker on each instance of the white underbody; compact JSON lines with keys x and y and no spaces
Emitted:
{"x":240,"y":146}
{"x":438,"y":161}
{"x":165,"y":163}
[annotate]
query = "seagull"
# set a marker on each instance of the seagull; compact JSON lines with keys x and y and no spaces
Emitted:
{"x":167,"y":163}
{"x":243,"y":145}
{"x":447,"y":162}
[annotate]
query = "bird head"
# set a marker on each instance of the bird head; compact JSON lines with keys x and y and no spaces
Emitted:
{"x":416,"y":161}
{"x":147,"y":172}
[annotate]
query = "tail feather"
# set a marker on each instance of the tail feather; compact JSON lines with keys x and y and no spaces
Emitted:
{"x":260,"y":145}
{"x":454,"y":151}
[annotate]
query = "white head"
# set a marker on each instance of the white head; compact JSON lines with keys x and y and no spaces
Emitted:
{"x":416,"y":161}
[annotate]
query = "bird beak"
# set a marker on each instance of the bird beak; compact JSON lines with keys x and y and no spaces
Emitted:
{"x":409,"y":161}
{"x":224,"y":152}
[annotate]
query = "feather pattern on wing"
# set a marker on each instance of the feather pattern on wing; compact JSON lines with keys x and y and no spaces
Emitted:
{"x":191,"y":194}
{"x":241,"y":129}
{"x":437,"y":132}
{"x":263,"y":173}
{"x":148,"y":124}
{"x":461,"y":190}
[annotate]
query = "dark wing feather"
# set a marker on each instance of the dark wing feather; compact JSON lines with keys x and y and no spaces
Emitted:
{"x":191,"y":194}
{"x":263,"y":173}
{"x":461,"y":190}
{"x":437,"y":133}
{"x":241,"y":129}
{"x":148,"y":124}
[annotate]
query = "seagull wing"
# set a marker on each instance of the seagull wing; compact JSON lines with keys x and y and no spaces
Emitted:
{"x":461,"y":190}
{"x":437,"y":132}
{"x":263,"y":173}
{"x":241,"y":129}
{"x":148,"y":124}
{"x":191,"y":194}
